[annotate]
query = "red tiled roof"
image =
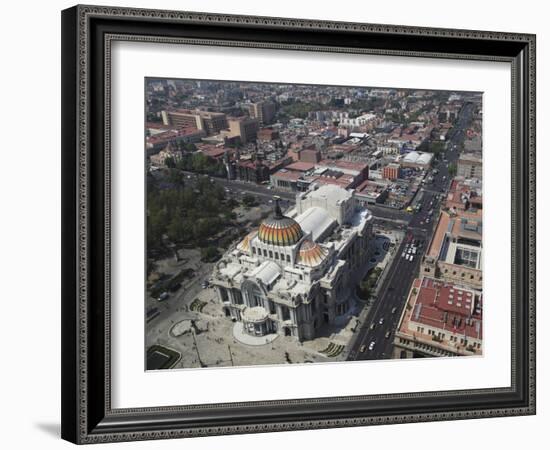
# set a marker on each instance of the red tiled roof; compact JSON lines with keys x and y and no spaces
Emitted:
{"x":171,"y":134}
{"x":300,"y":166}
{"x":359,"y":166}
{"x":289,"y":175}
{"x":448,"y":307}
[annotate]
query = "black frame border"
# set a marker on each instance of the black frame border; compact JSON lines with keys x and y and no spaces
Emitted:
{"x":87,"y":32}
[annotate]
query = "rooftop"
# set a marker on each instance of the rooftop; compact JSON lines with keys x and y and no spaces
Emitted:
{"x":465,"y":224}
{"x":315,"y":221}
{"x":267,"y":272}
{"x":300,"y":166}
{"x":329,"y":193}
{"x":470,"y":158}
{"x":343,"y":165}
{"x":290,"y":175}
{"x":172,"y":134}
{"x":418,"y":158}
{"x":445,"y":306}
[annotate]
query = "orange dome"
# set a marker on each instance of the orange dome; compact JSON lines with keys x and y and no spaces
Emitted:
{"x":280,"y":230}
{"x":311,"y":254}
{"x":284,"y":231}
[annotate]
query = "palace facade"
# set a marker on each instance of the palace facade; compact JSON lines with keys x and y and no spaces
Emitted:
{"x":295,"y":273}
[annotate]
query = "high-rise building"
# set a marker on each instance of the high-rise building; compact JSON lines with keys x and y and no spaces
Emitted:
{"x":455,"y":252}
{"x":469,"y":166}
{"x":263,"y":111}
{"x":209,"y":122}
{"x":244,"y":127}
{"x":391,"y":171}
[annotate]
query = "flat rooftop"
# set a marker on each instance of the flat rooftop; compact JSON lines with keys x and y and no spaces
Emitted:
{"x":447,"y":307}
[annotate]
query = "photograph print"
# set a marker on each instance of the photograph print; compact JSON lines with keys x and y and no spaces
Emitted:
{"x":293,"y":224}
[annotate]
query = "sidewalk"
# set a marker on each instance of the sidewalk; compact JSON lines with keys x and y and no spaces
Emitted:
{"x":396,"y":237}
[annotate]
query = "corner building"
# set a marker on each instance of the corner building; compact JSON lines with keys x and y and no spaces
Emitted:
{"x":295,"y":274}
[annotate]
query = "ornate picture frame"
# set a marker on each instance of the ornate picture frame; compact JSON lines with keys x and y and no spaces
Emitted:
{"x":87,"y":35}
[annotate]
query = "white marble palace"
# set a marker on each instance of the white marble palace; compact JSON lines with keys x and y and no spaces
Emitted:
{"x":293,"y":274}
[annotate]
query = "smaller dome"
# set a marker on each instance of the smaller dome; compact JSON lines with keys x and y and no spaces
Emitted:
{"x":244,"y":245}
{"x":311,"y":254}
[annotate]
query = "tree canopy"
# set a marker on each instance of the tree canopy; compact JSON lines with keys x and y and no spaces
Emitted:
{"x":184,"y":214}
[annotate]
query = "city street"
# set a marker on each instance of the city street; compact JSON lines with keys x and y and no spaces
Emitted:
{"x":389,"y":304}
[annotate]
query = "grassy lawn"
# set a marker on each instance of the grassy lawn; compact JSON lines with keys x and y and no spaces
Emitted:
{"x":159,"y":357}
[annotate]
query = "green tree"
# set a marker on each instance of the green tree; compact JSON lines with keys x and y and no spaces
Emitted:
{"x":249,"y":200}
{"x":169,"y":162}
{"x":437,"y":147}
{"x":452,"y":170}
{"x":209,"y":254}
{"x":176,"y":177}
{"x":174,"y":230}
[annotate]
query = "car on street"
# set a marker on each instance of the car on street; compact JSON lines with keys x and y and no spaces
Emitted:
{"x":174,"y":287}
{"x":387,"y":335}
{"x":163,"y":296}
{"x":394,"y":309}
{"x":381,"y":321}
{"x":372,"y":344}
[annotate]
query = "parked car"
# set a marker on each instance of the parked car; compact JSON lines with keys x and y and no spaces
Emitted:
{"x":163,"y":296}
{"x":363,"y":348}
{"x":174,"y":287}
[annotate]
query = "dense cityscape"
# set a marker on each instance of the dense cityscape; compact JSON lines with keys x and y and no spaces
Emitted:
{"x":308,"y":224}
